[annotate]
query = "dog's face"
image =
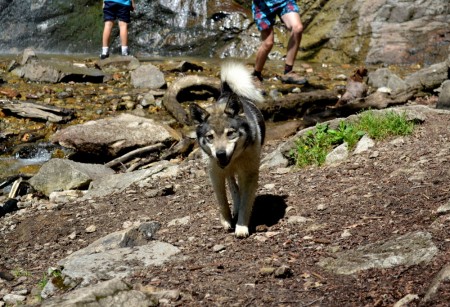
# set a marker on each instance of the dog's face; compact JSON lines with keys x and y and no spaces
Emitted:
{"x":222,"y":132}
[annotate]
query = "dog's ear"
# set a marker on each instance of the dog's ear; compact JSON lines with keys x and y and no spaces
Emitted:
{"x":198,"y":114}
{"x":233,"y":107}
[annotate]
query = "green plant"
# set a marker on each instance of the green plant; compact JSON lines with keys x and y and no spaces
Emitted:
{"x":380,"y":126}
{"x":18,"y":272}
{"x":313,"y":147}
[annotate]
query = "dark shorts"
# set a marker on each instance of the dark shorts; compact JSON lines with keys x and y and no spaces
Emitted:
{"x":113,"y":11}
{"x":265,"y":11}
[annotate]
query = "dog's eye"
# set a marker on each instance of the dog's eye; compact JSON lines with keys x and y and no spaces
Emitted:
{"x":232,"y":134}
{"x":209,"y":137}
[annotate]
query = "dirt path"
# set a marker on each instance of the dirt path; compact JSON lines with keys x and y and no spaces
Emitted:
{"x":394,"y":189}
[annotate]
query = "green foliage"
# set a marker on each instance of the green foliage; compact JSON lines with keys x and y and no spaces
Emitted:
{"x":381,"y":126}
{"x":18,"y":272}
{"x":313,"y":147}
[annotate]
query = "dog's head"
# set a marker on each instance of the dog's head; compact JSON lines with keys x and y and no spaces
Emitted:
{"x":221,"y":132}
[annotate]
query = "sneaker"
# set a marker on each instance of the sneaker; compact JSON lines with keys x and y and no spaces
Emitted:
{"x":293,"y":78}
{"x":104,"y":56}
{"x":126,"y":53}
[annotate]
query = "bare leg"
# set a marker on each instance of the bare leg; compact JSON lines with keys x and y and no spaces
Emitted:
{"x":107,"y":33}
{"x":123,"y":27}
{"x":294,"y":24}
{"x":267,"y":38}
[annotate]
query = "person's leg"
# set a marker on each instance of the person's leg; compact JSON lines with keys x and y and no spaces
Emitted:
{"x":107,"y":33}
{"x":294,"y":24}
{"x":123,"y":27}
{"x":267,"y":40}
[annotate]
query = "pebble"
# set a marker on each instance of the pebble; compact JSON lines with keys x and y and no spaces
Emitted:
{"x":346,"y":233}
{"x":91,"y":228}
{"x":283,"y":272}
{"x":218,"y":247}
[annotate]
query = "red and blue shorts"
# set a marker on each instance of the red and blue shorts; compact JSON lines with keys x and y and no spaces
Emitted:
{"x":265,"y":11}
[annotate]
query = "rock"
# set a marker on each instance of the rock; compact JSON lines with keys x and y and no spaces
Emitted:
{"x":118,"y":182}
{"x":364,"y":144}
{"x":429,"y":78}
{"x":58,"y":71}
{"x":407,"y":250}
{"x":63,"y":174}
{"x":337,"y":155}
{"x":406,"y":300}
{"x":218,"y":248}
{"x":442,"y":277}
{"x":14,"y":299}
{"x":180,"y":221}
{"x":384,"y":78}
{"x":113,"y":292}
{"x":444,"y":209}
{"x":147,"y":76}
{"x":65,"y":196}
{"x":118,"y":63}
{"x":118,"y":254}
{"x":283,"y":272}
{"x":111,"y":136}
{"x":444,"y":96}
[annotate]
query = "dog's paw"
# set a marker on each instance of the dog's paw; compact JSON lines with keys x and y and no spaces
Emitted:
{"x":226,"y":224}
{"x":241,"y":231}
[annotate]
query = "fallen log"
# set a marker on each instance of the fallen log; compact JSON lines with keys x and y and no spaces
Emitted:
{"x":295,"y":105}
{"x":37,"y":111}
{"x":182,"y":90}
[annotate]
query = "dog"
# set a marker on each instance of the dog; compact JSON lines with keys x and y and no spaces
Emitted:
{"x":232,"y":133}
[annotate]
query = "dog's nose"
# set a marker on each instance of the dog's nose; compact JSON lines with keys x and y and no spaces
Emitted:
{"x":221,"y":155}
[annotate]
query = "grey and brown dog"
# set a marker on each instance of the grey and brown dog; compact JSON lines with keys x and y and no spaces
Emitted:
{"x":231,"y":133}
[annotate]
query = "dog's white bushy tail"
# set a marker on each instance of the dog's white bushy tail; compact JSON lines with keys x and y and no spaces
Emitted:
{"x":239,"y":79}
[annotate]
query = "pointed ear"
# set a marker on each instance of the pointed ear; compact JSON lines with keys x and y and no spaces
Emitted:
{"x":233,"y":107}
{"x":198,"y":114}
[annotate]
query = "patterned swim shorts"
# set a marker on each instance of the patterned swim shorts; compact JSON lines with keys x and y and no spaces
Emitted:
{"x":265,"y":11}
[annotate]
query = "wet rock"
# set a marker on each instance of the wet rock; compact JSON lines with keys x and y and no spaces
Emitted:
{"x":63,"y":174}
{"x":407,"y":250}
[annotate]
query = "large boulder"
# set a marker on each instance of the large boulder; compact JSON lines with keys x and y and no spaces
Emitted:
{"x":110,"y":137}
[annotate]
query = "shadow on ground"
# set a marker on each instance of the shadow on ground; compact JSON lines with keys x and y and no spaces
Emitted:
{"x":268,"y":210}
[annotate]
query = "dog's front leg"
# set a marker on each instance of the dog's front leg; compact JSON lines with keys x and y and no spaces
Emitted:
{"x":218,"y":183}
{"x":234,"y":191}
{"x":248,"y":185}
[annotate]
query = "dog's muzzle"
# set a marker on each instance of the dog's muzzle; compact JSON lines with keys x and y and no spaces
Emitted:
{"x":222,"y":158}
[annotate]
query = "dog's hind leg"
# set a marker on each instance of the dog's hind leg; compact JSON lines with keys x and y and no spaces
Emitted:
{"x":218,"y":183}
{"x":248,"y":185}
{"x":234,"y":191}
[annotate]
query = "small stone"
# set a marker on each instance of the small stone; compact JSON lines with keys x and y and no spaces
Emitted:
{"x":321,"y":207}
{"x":91,"y":229}
{"x":219,"y":247}
{"x":266,"y":271}
{"x":346,"y":234}
{"x":14,"y":299}
{"x":283,"y":272}
{"x":262,"y":228}
{"x":73,"y":235}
